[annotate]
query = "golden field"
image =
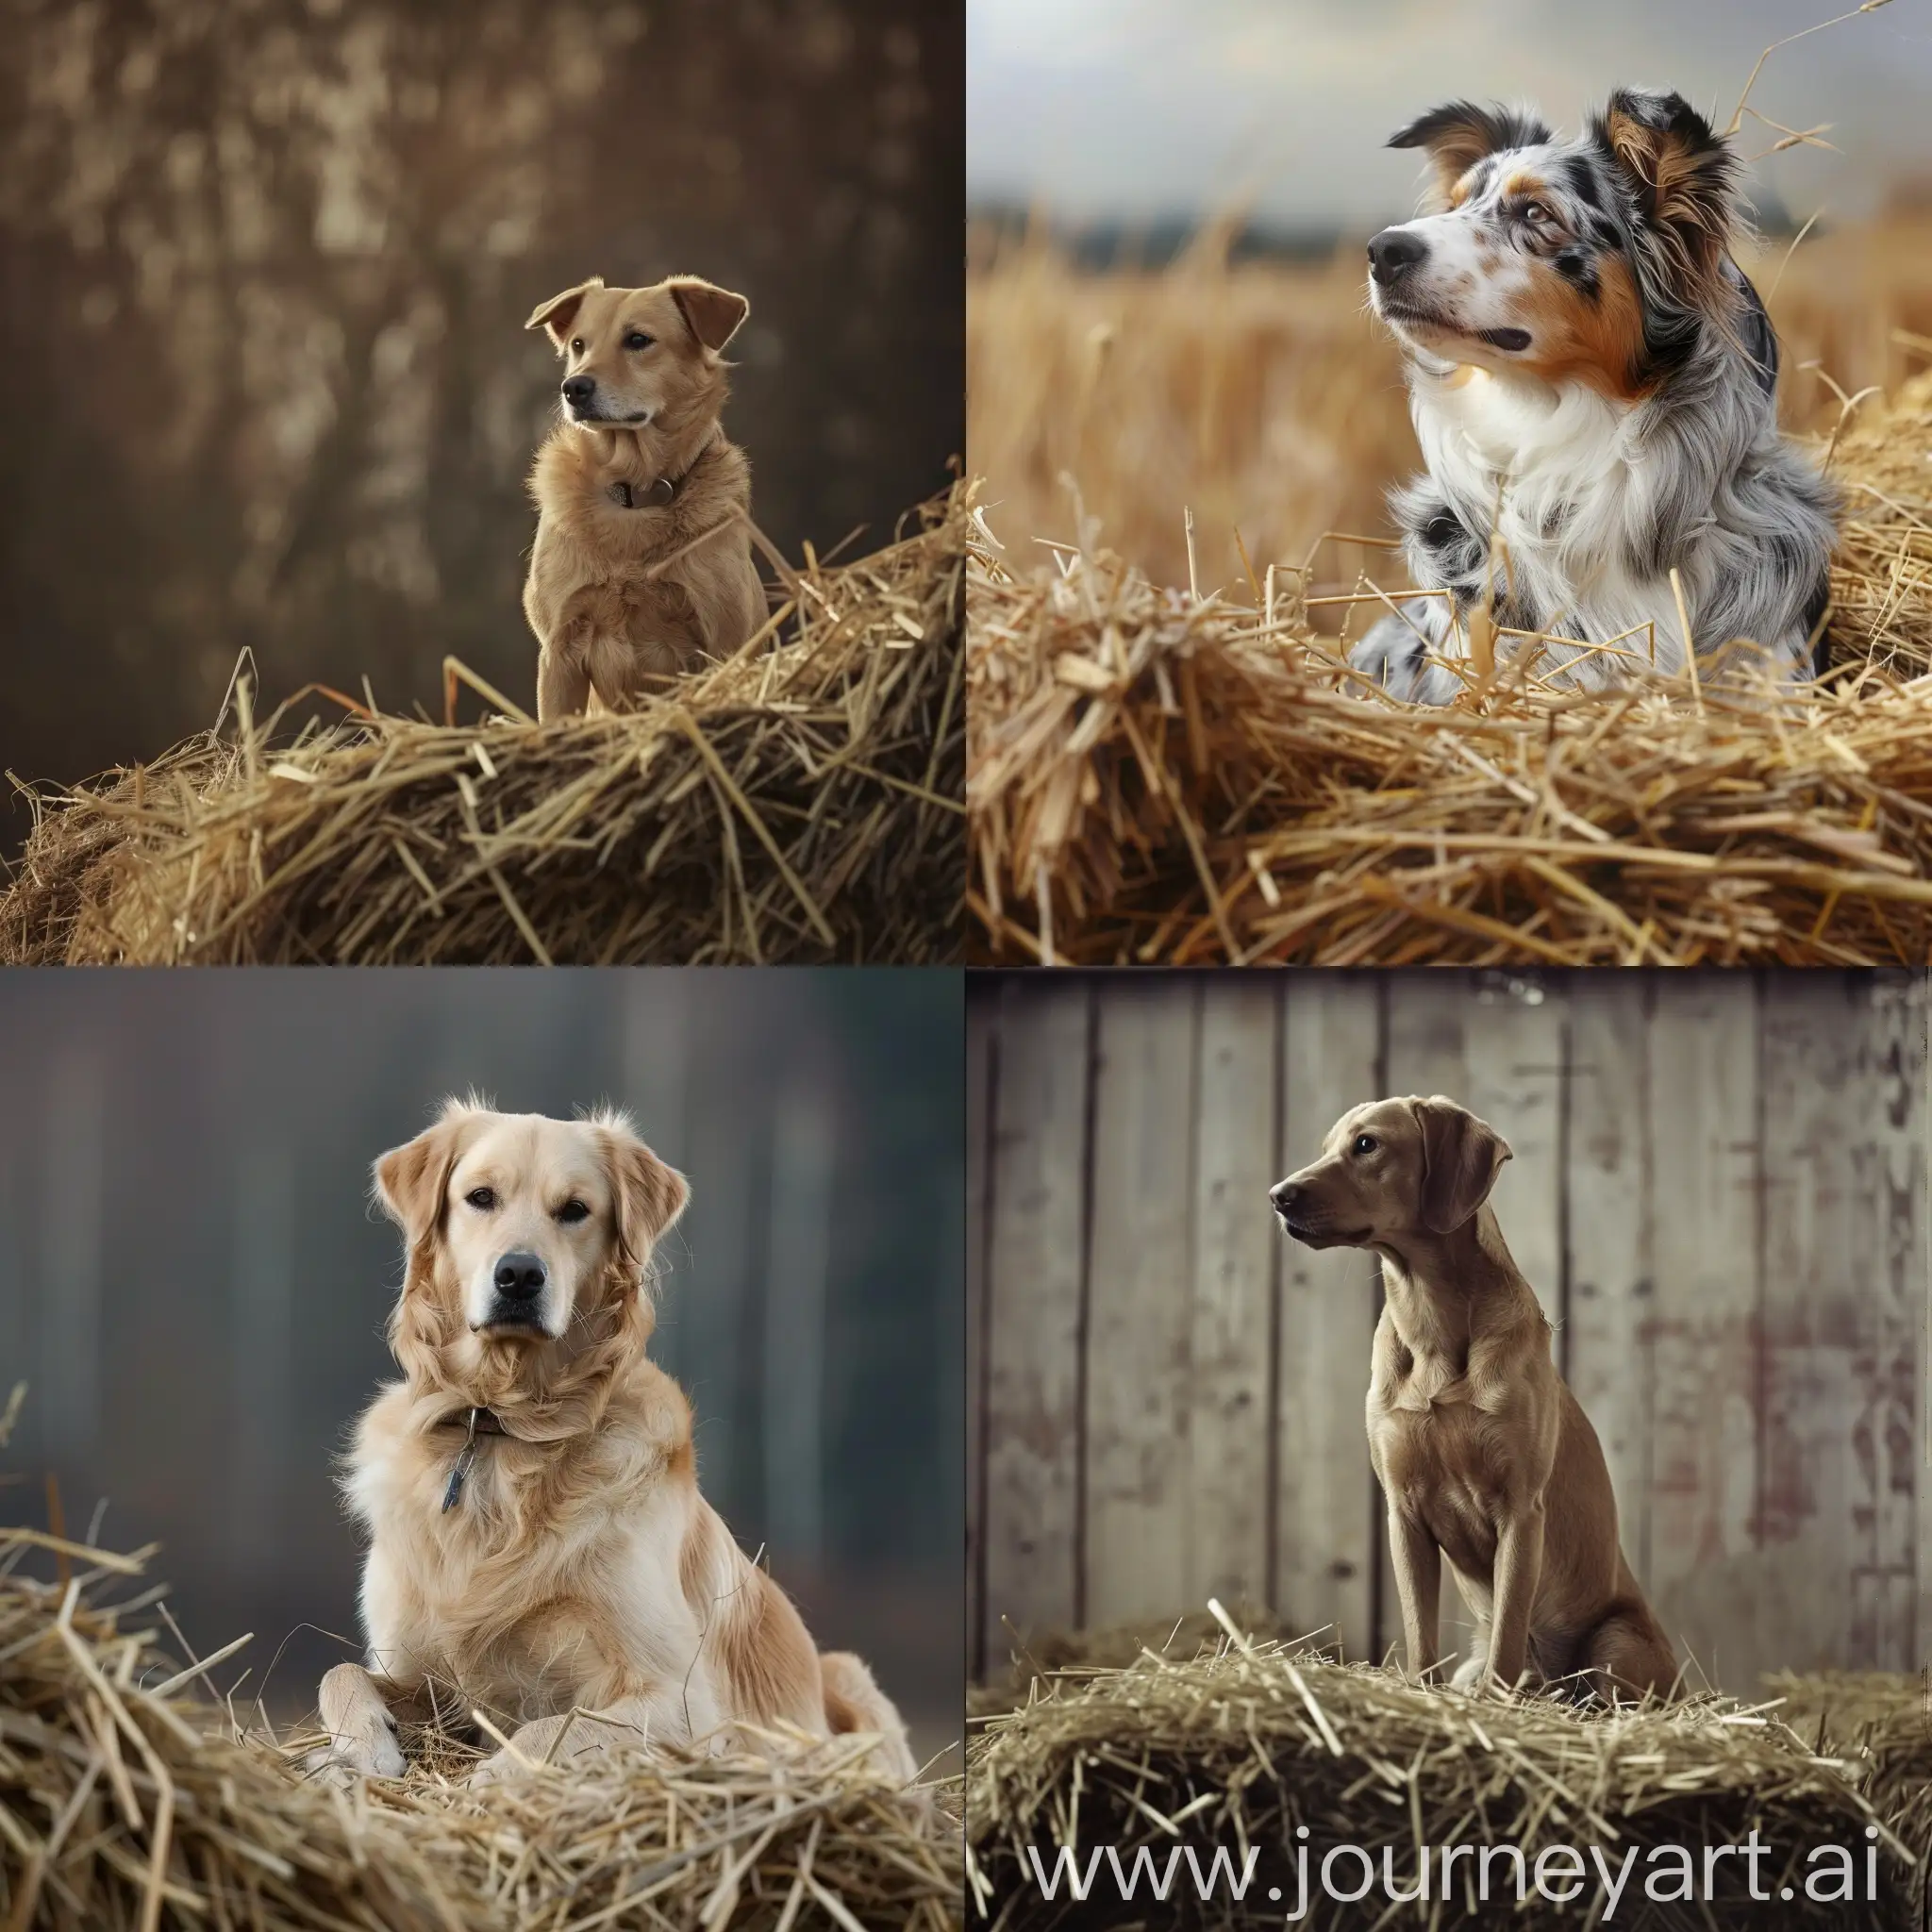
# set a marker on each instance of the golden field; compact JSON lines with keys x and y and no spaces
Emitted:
{"x":1266,"y":399}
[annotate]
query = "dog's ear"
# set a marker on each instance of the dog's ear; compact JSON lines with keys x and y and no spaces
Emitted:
{"x":1459,"y":134}
{"x":713,"y":314}
{"x":1462,"y":1156}
{"x":650,"y":1195}
{"x":1683,"y":177}
{"x":557,"y":314}
{"x":411,"y":1180}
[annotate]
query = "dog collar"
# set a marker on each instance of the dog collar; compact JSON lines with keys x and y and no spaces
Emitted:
{"x":475,"y":1422}
{"x":663,"y":492}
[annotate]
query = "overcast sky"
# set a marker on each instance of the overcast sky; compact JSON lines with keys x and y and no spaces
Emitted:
{"x":1096,"y":110}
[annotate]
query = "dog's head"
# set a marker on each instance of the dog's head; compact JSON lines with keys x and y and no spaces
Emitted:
{"x":1597,"y":258}
{"x":529,"y":1240}
{"x":1389,"y":1170}
{"x":638,"y":356}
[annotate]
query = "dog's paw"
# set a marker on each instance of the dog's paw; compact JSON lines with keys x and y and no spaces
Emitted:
{"x":1472,"y":1675}
{"x":530,"y":1748}
{"x":375,"y":1751}
{"x":1395,"y":654}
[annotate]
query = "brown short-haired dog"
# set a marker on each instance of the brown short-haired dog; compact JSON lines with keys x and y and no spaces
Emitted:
{"x":536,"y":1536}
{"x":1483,"y":1454}
{"x":642,"y":561}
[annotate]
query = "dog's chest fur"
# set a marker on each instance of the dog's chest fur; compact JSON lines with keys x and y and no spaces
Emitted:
{"x":1562,"y":475}
{"x":505,"y":1592}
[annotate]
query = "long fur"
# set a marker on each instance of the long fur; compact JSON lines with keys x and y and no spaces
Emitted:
{"x":1593,"y":383}
{"x":580,"y":1569}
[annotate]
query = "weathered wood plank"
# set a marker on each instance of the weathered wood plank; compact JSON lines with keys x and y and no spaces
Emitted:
{"x":1035,"y":1270}
{"x":1328,"y":1512}
{"x":1608,"y":1336}
{"x":982,"y":1040}
{"x":1702,"y":1091}
{"x":1139,"y":1292}
{"x":1234,"y":1262}
{"x":1818,"y":1267}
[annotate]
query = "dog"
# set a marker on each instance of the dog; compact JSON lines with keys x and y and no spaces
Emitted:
{"x":642,"y":567}
{"x":1483,"y":1454}
{"x":529,"y":1490}
{"x":1593,"y":382}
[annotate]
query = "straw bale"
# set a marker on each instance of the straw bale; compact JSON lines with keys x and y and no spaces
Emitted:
{"x":130,"y":1800}
{"x":1253,"y":1740}
{"x":1157,"y":775}
{"x":797,"y":802}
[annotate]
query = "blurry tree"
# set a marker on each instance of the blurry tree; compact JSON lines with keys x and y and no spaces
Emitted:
{"x":264,"y":266}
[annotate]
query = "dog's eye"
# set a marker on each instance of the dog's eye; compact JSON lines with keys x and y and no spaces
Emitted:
{"x":1536,"y":214}
{"x":1365,"y":1143}
{"x":573,"y":1210}
{"x":576,"y":346}
{"x":638,"y":339}
{"x":483,"y":1199}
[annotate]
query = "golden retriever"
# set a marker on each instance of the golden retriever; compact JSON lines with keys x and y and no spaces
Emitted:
{"x":536,"y":1538}
{"x":642,"y":561}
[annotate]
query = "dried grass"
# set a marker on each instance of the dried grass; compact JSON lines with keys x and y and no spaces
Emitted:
{"x":127,"y":1806}
{"x":1157,"y":775}
{"x":794,"y":802}
{"x":1244,"y":1743}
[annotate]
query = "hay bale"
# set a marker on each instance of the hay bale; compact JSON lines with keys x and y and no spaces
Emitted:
{"x":796,"y":802}
{"x":1155,"y":777}
{"x":125,"y":1805}
{"x":1246,"y":1745}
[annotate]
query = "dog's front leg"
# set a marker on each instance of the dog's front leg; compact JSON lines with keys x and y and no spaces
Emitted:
{"x":1419,"y":1586}
{"x":1518,"y":1573}
{"x":363,"y":1739}
{"x":564,"y":681}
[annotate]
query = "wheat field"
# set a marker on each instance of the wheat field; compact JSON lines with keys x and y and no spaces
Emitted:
{"x":1266,"y":400}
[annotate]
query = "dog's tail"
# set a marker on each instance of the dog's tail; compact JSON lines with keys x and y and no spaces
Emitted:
{"x":854,"y":1702}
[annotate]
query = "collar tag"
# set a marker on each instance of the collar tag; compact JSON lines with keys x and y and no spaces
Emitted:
{"x":465,"y":1456}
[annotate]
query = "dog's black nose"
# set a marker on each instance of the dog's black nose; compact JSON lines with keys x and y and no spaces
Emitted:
{"x":520,"y":1277}
{"x":579,"y":390}
{"x":1284,"y":1195}
{"x":1392,"y":254}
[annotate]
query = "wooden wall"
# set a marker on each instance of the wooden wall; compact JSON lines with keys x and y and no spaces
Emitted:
{"x":1718,"y":1191}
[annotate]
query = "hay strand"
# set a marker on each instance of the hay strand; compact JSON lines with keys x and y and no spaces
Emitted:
{"x":799,"y":801}
{"x":1158,"y":777}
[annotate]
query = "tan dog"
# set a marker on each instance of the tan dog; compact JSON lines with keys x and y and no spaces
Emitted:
{"x":535,"y":1537}
{"x":1483,"y":1454}
{"x":643,"y":562}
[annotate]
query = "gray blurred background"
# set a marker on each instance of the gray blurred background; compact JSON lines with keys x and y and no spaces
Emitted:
{"x":1145,"y":114}
{"x":194,"y":1285}
{"x":263,"y":276}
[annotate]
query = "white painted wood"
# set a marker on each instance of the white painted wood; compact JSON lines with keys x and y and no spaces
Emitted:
{"x":1034,"y":1287}
{"x":1327,"y":1513}
{"x":1607,"y":1334}
{"x":1234,"y":1253}
{"x":1139,"y":1295}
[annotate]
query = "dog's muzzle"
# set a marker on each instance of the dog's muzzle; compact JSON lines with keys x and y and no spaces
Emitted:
{"x":517,"y":1284}
{"x":1395,"y":253}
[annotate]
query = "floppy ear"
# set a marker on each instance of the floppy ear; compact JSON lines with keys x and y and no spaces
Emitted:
{"x":1459,"y":134}
{"x":557,"y":314}
{"x":1683,"y":176}
{"x":713,"y":313}
{"x":411,"y":1180}
{"x":1462,"y":1156}
{"x":650,"y":1195}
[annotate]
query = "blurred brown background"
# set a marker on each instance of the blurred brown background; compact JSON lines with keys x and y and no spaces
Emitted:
{"x":263,"y":273}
